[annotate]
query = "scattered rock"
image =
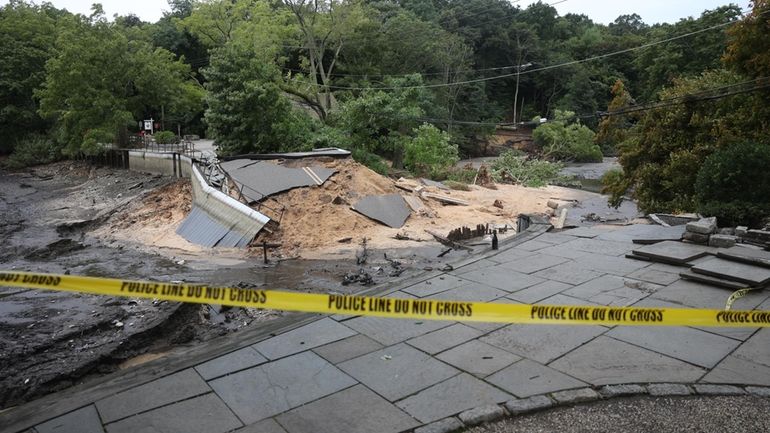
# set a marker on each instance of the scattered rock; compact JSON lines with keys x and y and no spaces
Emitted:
{"x":339,"y":200}
{"x":704,"y":226}
{"x":722,"y":241}
{"x":498,"y":204}
{"x":741,"y":230}
{"x":726,"y":231}
{"x":345,"y":240}
{"x":361,"y":277}
{"x":697,"y":238}
{"x":482,"y":414}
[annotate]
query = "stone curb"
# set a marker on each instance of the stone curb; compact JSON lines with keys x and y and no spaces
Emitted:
{"x":524,"y":406}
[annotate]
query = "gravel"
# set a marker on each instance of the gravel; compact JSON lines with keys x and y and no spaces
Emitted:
{"x":645,"y":414}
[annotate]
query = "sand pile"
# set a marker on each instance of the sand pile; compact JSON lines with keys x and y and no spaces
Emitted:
{"x":319,"y":222}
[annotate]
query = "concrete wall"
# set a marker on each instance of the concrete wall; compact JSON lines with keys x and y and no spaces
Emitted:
{"x":165,"y":163}
{"x":222,"y":208}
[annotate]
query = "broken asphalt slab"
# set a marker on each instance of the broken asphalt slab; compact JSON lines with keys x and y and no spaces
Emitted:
{"x":390,"y":209}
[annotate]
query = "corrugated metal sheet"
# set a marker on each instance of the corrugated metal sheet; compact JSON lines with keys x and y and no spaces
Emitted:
{"x":200,"y":228}
{"x":264,"y":178}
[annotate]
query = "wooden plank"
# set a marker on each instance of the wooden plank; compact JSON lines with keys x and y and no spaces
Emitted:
{"x":446,"y":199}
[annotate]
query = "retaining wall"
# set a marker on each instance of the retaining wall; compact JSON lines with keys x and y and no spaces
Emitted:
{"x":228,"y":212}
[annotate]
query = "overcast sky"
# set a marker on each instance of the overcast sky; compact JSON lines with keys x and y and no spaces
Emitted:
{"x":603,"y":11}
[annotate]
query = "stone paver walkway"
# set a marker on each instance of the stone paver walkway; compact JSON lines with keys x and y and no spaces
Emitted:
{"x":362,"y":374}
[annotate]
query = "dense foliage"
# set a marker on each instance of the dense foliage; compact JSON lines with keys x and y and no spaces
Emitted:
{"x":734,"y":185}
{"x":664,"y":154}
{"x":364,"y":75}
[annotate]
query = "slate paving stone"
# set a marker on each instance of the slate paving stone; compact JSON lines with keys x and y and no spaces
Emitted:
{"x":612,"y":290}
{"x":597,"y":246}
{"x":354,"y":410}
{"x":569,"y":273}
{"x":645,"y":233}
{"x":487,"y":327}
{"x":562,"y":299}
{"x":757,"y":348}
{"x":587,"y":232}
{"x":265,"y":426}
{"x":654,"y":276}
{"x":169,"y":389}
{"x":688,"y":344}
{"x":538,"y":292}
{"x":83,"y":420}
{"x":435,"y":285}
{"x":542,"y":343}
{"x":478,"y":358}
{"x":303,"y":338}
{"x":534,"y":263}
{"x":349,"y":348}
{"x":397,"y":371}
{"x":564,"y":251}
{"x":472,"y":292}
{"x":610,"y":265}
{"x":452,"y":396}
{"x":234,"y":361}
{"x":269,"y":389}
{"x":746,"y":255}
{"x":606,"y":361}
{"x":734,"y":271}
{"x":533,"y":245}
{"x":400,"y":295}
{"x":699,"y":295}
{"x":203,"y":414}
{"x":527,"y":378}
{"x":555,"y":238}
{"x":741,"y":334}
{"x":673,"y":251}
{"x":512,"y":253}
{"x":479,"y":264}
{"x":739,"y":371}
{"x":502,"y":278}
{"x":445,"y":338}
{"x":391,"y":331}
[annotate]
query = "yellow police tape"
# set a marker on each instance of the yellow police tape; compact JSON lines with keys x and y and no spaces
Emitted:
{"x":390,"y":307}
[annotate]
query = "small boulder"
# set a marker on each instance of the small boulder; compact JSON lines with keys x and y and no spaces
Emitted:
{"x":722,"y":241}
{"x":704,"y":226}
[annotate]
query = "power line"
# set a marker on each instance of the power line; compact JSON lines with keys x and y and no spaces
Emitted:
{"x":530,"y":71}
{"x":701,"y":95}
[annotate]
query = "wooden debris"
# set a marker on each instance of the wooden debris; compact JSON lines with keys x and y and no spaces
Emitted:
{"x":464,"y":233}
{"x":447,"y":242}
{"x":445,"y":199}
{"x":561,"y":220}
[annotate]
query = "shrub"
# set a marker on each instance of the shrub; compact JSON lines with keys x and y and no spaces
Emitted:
{"x":566,"y":142}
{"x":33,"y":150}
{"x":528,"y":172}
{"x":165,"y":137}
{"x":429,"y":153}
{"x":370,"y":160}
{"x":733,"y":184}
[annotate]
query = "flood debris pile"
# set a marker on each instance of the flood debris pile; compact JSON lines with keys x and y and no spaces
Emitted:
{"x":720,"y":259}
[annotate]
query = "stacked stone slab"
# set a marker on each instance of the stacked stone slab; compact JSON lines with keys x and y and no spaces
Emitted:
{"x":704,"y":232}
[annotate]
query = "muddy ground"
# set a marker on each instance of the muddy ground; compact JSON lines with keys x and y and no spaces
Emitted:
{"x":53,"y":340}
